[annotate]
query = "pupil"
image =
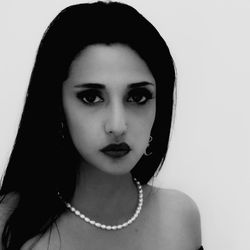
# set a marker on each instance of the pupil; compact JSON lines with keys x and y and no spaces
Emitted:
{"x":137,"y":98}
{"x":91,"y":98}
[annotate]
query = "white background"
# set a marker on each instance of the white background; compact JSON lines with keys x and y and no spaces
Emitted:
{"x":209,"y":155}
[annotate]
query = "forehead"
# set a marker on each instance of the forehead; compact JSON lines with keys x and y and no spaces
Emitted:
{"x":109,"y":64}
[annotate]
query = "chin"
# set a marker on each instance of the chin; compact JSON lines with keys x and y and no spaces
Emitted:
{"x":118,"y":166}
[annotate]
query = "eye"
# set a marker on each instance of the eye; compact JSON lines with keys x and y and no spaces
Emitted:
{"x":89,"y":96}
{"x":141,"y":96}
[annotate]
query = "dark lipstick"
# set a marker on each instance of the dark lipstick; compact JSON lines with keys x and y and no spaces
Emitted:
{"x":116,"y":150}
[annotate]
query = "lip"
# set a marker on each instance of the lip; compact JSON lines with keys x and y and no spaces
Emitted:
{"x":116,"y":147}
{"x":116,"y":150}
{"x":116,"y":154}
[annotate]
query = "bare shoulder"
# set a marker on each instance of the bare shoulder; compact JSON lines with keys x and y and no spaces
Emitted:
{"x":177,"y":200}
{"x":7,"y":205}
{"x":178,"y":212}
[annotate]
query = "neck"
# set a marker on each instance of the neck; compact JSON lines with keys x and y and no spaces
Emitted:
{"x":105,"y":197}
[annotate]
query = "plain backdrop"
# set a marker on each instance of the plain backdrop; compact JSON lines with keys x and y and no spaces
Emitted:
{"x":209,"y":154}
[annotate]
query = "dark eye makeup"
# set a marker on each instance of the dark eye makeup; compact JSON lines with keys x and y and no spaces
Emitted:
{"x":139,"y":96}
{"x":141,"y":92}
{"x":88,"y":96}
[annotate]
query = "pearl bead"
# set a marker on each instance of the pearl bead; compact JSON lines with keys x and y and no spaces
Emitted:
{"x":109,"y":227}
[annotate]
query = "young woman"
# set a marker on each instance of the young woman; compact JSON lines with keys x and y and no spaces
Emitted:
{"x":94,"y":131}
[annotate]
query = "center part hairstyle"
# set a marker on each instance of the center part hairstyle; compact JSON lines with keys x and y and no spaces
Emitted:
{"x":41,"y":162}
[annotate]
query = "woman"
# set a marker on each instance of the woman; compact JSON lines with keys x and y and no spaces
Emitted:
{"x":93,"y":132}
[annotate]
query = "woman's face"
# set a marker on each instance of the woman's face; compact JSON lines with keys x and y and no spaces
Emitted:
{"x":109,"y":98}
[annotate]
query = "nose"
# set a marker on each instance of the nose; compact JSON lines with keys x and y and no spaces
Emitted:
{"x":116,"y":122}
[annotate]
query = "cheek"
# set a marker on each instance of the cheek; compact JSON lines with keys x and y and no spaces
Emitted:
{"x":146,"y":119}
{"x":151,"y":117}
{"x":81,"y":127}
{"x":142,"y":125}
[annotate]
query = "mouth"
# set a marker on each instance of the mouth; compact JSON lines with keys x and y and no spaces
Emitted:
{"x":116,"y":150}
{"x":116,"y":154}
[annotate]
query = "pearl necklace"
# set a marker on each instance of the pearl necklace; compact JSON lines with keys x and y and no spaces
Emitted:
{"x":109,"y":227}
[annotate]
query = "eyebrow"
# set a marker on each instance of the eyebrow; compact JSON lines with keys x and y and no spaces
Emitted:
{"x":101,"y":86}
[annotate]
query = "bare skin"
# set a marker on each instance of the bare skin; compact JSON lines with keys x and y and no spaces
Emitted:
{"x":169,"y":221}
{"x":105,"y":191}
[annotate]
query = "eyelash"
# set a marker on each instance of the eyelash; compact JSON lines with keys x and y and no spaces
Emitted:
{"x":93,"y":93}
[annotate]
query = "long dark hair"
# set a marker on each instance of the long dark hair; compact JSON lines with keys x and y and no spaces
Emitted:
{"x":40,"y":163}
